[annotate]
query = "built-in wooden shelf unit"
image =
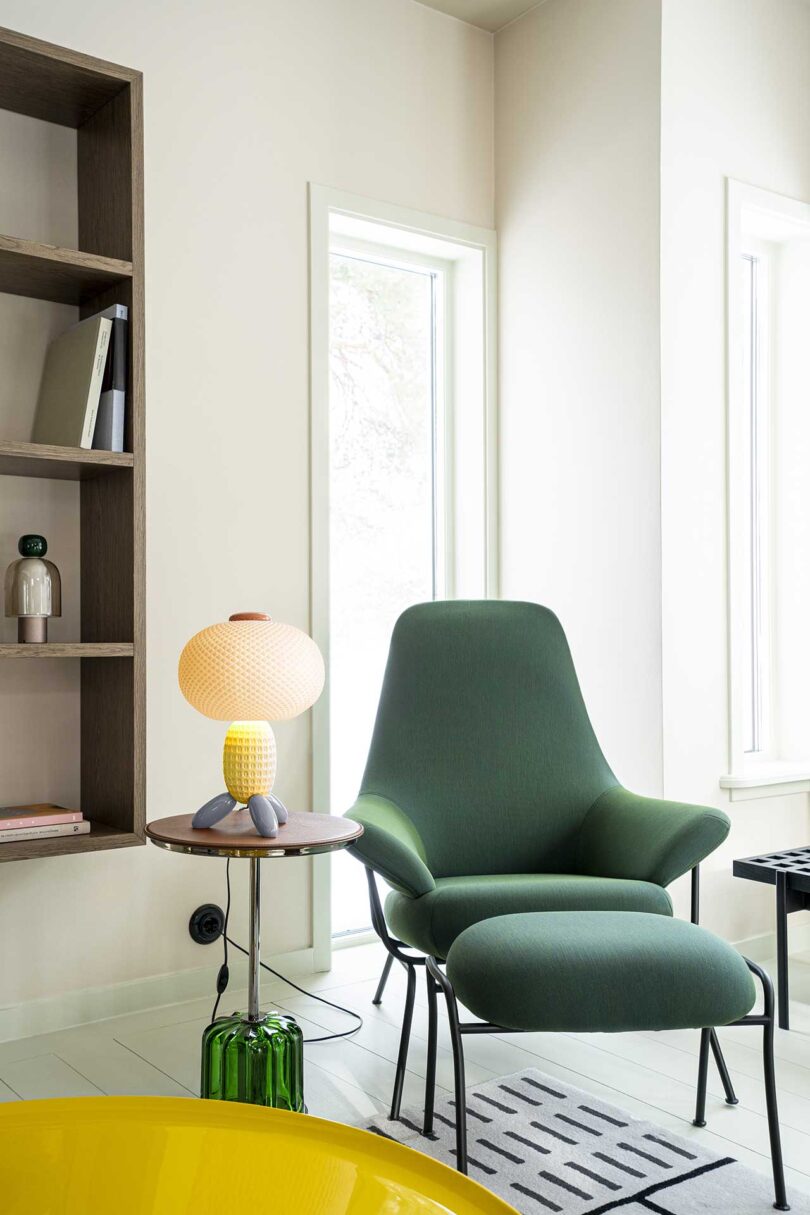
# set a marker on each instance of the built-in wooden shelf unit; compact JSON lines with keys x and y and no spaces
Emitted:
{"x":103,"y":103}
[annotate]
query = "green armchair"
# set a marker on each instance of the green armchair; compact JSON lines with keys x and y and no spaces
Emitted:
{"x":486,"y":792}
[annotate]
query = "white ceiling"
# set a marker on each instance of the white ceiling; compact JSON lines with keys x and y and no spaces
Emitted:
{"x":487,"y":14}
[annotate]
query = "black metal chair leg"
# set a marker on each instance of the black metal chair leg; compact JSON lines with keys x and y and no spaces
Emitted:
{"x":404,"y":1040}
{"x":459,"y":1082}
{"x":703,"y":1073}
{"x":731,"y":1096}
{"x":767,"y":1022}
{"x":728,"y":1087}
{"x":432,"y":1047}
{"x":378,"y":995}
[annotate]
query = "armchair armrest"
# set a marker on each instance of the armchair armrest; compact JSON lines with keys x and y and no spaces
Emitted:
{"x":390,"y":845}
{"x":626,"y":836}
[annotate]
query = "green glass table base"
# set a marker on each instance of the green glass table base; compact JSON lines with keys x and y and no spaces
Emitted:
{"x":260,"y":1062}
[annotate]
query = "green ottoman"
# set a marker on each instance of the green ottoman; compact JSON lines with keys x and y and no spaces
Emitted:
{"x":601,"y":972}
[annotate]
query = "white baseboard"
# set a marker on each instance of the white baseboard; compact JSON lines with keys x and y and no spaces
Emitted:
{"x":90,"y":1004}
{"x":73,"y":1008}
{"x":763,"y":948}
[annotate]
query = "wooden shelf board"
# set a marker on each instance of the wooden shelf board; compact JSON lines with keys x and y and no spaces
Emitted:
{"x":54,"y":83}
{"x":58,"y":463}
{"x":69,"y":649}
{"x":100,"y":838}
{"x":48,"y":272}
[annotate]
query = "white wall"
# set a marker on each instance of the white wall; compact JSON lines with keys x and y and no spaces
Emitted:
{"x":577,"y":209}
{"x":735,"y":102}
{"x":244,"y":104}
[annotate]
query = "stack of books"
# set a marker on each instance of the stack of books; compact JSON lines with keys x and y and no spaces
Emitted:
{"x":40,"y":821}
{"x":82,"y":396}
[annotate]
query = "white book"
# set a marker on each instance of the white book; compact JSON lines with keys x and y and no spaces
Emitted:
{"x":43,"y":833}
{"x":71,"y":385}
{"x":109,"y":432}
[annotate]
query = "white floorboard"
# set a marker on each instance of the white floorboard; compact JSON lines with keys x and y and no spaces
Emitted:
{"x":650,"y":1075}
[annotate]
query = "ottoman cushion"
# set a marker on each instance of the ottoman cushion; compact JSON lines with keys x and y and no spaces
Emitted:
{"x":598,"y":971}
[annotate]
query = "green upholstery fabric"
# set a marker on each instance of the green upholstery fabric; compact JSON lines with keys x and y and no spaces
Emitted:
{"x":483,"y":738}
{"x":625,"y":836}
{"x":598,"y":971}
{"x":391,"y":845}
{"x":431,"y":923}
{"x":483,"y":762}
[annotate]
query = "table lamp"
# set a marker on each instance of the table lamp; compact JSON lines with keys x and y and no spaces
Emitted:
{"x":250,"y":670}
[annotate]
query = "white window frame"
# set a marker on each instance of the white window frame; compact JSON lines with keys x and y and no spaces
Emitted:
{"x":422,"y":235}
{"x":760,"y":748}
{"x":761,"y":773}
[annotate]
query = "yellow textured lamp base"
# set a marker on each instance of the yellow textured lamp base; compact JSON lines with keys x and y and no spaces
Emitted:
{"x":249,"y":759}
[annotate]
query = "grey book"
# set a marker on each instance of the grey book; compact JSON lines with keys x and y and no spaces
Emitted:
{"x":71,"y":385}
{"x":109,"y":433}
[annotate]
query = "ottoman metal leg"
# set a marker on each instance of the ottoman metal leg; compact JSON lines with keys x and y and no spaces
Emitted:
{"x":703,"y":1074}
{"x":404,"y":1041}
{"x":386,"y":970}
{"x":731,"y":1096}
{"x":432,"y":1046}
{"x":459,"y":1082}
{"x":767,"y":1023}
{"x":765,"y":1020}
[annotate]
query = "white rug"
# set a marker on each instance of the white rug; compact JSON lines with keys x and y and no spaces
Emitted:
{"x":544,"y":1146}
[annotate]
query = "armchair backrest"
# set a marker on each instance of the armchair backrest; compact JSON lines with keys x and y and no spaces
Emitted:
{"x":482,"y":738}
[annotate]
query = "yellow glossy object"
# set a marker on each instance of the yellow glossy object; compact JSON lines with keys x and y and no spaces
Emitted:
{"x":170,"y":1156}
{"x":249,"y":759}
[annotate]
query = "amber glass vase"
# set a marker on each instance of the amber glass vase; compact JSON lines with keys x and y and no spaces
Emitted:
{"x":260,"y":1062}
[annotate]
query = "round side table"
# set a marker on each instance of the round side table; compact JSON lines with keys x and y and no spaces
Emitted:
{"x":254,"y":1057}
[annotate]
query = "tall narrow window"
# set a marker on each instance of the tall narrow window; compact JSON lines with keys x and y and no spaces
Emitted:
{"x":768,"y":493}
{"x":387,"y":503}
{"x":400,"y":389}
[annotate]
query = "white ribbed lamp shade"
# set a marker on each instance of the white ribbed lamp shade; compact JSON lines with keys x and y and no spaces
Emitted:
{"x":251,"y":668}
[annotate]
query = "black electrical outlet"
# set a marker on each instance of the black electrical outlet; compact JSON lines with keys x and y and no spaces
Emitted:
{"x":207,"y":924}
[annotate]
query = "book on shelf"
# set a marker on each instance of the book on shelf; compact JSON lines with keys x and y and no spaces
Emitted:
{"x":109,"y":432}
{"x":44,"y":833}
{"x":71,"y":384}
{"x":38,"y":814}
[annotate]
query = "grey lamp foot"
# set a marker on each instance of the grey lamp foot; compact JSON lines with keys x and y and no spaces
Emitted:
{"x":267,"y":813}
{"x":263,"y":814}
{"x":279,"y":807}
{"x":215,"y":811}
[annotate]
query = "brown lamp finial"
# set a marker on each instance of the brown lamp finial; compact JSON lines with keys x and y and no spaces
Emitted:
{"x":249,"y":616}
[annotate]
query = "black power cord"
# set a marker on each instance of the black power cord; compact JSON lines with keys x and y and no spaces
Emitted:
{"x":224,"y":975}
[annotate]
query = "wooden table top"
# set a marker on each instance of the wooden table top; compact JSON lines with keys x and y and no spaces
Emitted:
{"x":301,"y":835}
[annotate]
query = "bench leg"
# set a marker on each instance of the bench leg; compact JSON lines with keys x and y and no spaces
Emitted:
{"x":782,"y":956}
{"x":459,"y":1083}
{"x":703,"y":1073}
{"x":432,"y":1047}
{"x":404,"y":1041}
{"x":386,"y":970}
